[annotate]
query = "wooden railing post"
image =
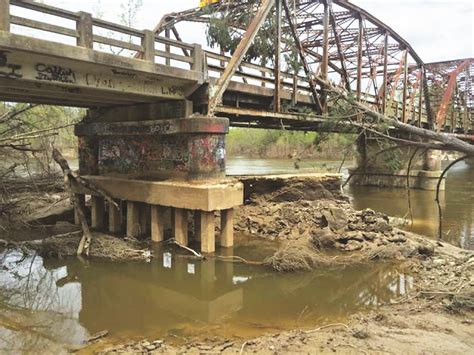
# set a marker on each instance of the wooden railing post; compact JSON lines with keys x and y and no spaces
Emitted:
{"x":85,"y":36}
{"x":148,"y":43}
{"x":5,"y":15}
{"x":198,"y":57}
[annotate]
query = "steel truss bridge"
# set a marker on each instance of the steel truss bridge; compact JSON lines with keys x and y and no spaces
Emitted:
{"x":53,"y":56}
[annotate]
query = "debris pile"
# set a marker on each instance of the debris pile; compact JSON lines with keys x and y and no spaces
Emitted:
{"x":314,"y":226}
{"x":103,"y":246}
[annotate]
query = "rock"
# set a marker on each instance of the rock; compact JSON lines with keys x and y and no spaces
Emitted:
{"x":150,"y":347}
{"x":206,"y":347}
{"x":335,"y":218}
{"x":323,"y":238}
{"x":427,"y":250}
{"x":397,"y":238}
{"x":370,"y":236}
{"x":381,"y":225}
{"x":369,"y":219}
{"x":439,"y":262}
{"x":352,"y":235}
{"x":353,"y":245}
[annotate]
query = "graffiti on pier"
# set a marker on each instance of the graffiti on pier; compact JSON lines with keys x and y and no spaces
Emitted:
{"x":9,"y":70}
{"x":129,"y":155}
{"x":208,"y":153}
{"x":57,"y":73}
{"x":161,"y":128}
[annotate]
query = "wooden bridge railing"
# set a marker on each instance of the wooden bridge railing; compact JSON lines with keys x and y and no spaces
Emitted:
{"x":94,"y":33}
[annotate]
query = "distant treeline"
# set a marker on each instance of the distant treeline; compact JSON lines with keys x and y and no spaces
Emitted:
{"x":265,"y":143}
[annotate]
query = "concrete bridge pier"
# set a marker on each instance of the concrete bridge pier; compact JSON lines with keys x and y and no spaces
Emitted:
{"x":376,"y":167}
{"x":164,"y":166}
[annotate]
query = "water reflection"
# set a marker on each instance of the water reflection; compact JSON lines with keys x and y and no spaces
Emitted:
{"x":34,"y":312}
{"x":457,"y":203}
{"x":176,"y":296}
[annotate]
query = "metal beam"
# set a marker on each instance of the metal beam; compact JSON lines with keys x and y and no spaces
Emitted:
{"x":218,"y":90}
{"x":345,"y":76}
{"x":278,"y":86}
{"x":301,"y":52}
{"x":420,"y":99}
{"x":441,"y":115}
{"x":325,"y":59}
{"x":385,"y":74}
{"x":360,"y":49}
{"x":466,"y":98}
{"x":405,"y":87}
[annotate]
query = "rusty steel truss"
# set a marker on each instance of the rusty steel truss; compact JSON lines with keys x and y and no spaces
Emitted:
{"x":338,"y":41}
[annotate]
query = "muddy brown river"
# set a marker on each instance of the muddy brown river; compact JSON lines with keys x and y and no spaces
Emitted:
{"x":63,"y":302}
{"x":52,"y":304}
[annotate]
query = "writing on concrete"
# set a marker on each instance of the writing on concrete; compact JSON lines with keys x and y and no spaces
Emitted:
{"x":55,"y":73}
{"x":9,"y":70}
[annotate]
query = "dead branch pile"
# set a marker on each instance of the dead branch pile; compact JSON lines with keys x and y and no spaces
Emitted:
{"x":304,"y":256}
{"x":51,"y":183}
{"x":102,"y":246}
{"x":462,"y":302}
{"x":293,"y":257}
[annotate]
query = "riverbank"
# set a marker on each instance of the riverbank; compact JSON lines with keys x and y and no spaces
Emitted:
{"x":435,"y":314}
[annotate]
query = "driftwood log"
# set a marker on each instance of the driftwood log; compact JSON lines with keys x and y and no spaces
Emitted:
{"x":72,"y":177}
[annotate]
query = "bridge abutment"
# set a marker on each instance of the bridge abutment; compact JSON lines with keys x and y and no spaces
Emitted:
{"x":159,"y":155}
{"x":379,"y":165}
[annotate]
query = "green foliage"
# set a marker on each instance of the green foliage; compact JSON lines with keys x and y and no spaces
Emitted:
{"x":393,"y":160}
{"x":280,"y":143}
{"x":222,"y":32}
{"x":33,"y":150}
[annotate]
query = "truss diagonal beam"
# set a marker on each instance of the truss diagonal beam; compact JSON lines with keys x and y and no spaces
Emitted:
{"x":239,"y":54}
{"x":301,"y":51}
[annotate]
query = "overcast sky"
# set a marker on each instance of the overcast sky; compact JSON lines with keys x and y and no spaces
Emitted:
{"x":436,"y":29}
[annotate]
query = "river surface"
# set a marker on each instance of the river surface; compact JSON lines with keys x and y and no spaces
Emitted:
{"x":47,"y":305}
